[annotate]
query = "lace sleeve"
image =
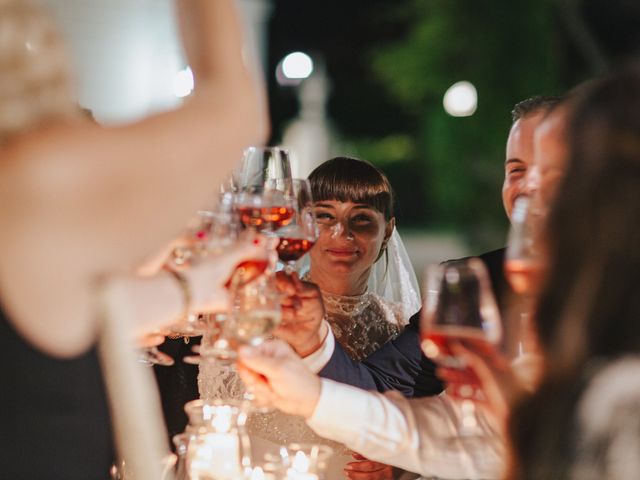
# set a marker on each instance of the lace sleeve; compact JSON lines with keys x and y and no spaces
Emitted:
{"x":216,"y":381}
{"x":392,"y":278}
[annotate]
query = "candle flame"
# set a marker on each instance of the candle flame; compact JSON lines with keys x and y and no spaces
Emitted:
{"x":301,"y":463}
{"x":257,"y":474}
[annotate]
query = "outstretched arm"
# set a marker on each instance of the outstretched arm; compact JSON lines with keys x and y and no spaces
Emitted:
{"x":78,"y":200}
{"x":420,"y":435}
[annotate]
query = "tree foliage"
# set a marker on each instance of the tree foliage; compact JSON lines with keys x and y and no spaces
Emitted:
{"x":506,"y":48}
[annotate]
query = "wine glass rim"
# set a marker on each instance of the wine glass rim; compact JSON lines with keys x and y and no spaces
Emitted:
{"x":269,"y":148}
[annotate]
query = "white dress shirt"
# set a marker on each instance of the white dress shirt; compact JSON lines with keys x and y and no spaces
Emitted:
{"x":318,"y":359}
{"x":419,"y":435}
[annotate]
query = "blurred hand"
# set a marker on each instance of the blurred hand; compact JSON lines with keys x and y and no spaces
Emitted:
{"x":364,"y":469}
{"x":278,"y":378}
{"x":208,"y":276}
{"x":302,"y":314}
{"x":153,"y":263}
{"x":498,"y":380}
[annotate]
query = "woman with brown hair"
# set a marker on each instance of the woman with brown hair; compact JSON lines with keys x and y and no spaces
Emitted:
{"x":584,"y":422}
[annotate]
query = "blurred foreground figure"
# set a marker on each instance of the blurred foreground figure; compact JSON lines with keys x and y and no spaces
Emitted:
{"x":78,"y":201}
{"x":584,"y":420}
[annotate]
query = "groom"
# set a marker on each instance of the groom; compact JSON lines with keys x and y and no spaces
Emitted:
{"x":400,"y":364}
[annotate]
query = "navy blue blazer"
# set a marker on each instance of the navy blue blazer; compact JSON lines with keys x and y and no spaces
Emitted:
{"x":400,"y":364}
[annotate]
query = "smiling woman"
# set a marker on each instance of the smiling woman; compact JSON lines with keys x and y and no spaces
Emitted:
{"x":354,"y":208}
{"x":368,"y":287}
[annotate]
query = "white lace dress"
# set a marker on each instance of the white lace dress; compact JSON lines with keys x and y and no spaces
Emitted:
{"x":361,"y":324}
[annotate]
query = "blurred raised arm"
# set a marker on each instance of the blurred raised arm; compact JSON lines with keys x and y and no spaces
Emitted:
{"x":78,"y":200}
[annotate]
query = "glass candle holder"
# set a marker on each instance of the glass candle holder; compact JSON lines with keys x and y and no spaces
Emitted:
{"x":218,"y":446}
{"x":307,"y":461}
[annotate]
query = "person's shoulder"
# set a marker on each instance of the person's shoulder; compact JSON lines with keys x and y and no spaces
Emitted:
{"x":611,"y":391}
{"x":390,"y":311}
{"x":491,"y":256}
{"x":607,"y":421}
{"x":493,"y":259}
{"x":494,"y":256}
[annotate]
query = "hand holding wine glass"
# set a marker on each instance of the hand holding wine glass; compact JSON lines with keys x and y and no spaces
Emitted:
{"x":459,"y":307}
{"x":302,"y":324}
{"x":203,"y":287}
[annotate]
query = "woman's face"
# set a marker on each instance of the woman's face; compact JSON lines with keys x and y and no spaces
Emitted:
{"x":350,"y":237}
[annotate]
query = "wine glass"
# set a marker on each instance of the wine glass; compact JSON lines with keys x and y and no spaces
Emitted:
{"x":263,"y":189}
{"x":255,"y":312}
{"x":301,"y":233}
{"x":523,"y":259}
{"x":459,"y":306}
{"x":210,"y":232}
{"x":523,"y":269}
{"x":258,"y":165}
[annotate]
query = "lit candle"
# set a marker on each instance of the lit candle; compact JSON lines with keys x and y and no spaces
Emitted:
{"x":300,"y":468}
{"x":257,"y":474}
{"x":216,"y":454}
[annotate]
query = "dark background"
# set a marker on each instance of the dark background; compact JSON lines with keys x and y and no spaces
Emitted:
{"x":390,"y":62}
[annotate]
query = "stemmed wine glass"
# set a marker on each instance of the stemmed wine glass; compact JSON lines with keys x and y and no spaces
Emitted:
{"x":260,"y":164}
{"x":523,"y":260}
{"x":301,"y":233}
{"x":263,"y":189}
{"x":523,"y":269}
{"x":259,"y":194}
{"x":459,"y":306}
{"x":208,"y":232}
{"x":255,"y":312}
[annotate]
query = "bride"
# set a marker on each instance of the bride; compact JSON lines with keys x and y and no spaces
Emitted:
{"x":367,"y":283}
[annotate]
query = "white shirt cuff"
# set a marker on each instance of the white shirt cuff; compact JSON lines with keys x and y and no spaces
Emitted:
{"x":318,"y":359}
{"x":352,"y":412}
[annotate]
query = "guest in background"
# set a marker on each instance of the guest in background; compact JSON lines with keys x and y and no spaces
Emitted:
{"x":527,"y":116}
{"x":78,"y":201}
{"x":583,"y":422}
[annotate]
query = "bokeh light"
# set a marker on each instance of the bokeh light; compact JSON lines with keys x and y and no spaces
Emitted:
{"x":461,"y":99}
{"x":297,"y":65}
{"x":183,"y":83}
{"x":294,"y":68}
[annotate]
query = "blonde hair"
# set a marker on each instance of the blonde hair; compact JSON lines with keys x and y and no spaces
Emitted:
{"x":35,"y":73}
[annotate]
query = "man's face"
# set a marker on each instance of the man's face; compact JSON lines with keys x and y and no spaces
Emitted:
{"x":549,"y":159}
{"x":519,"y":157}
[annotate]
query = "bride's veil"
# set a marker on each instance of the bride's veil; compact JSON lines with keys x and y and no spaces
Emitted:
{"x":392,"y":277}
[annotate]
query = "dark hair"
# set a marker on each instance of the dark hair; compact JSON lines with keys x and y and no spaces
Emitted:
{"x":589,"y":308}
{"x":348,"y":179}
{"x":534,"y":105}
